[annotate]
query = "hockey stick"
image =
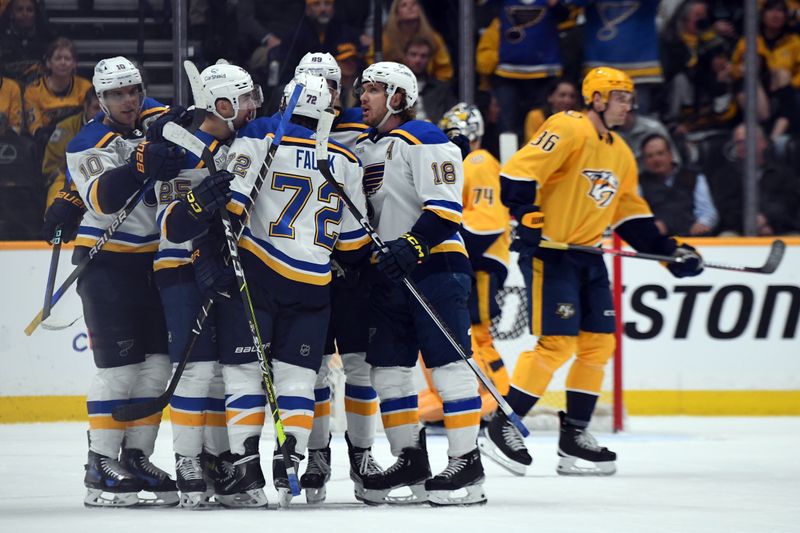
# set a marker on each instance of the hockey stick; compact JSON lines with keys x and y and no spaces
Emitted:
{"x":776,"y":250}
{"x":51,"y":273}
{"x":322,"y":164}
{"x":96,"y":247}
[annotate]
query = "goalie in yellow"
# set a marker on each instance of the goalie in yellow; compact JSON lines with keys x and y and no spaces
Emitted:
{"x":574,"y":179}
{"x":486,"y":233}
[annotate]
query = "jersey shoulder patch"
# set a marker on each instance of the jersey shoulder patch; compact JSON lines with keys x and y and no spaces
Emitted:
{"x":95,"y":134}
{"x":416,"y":132}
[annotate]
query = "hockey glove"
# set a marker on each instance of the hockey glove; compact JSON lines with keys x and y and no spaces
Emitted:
{"x":66,"y":211}
{"x":691,"y":263}
{"x":462,"y":141}
{"x":401,"y":256}
{"x":529,"y":231}
{"x":213,"y":277}
{"x":176,"y":113}
{"x":158,"y":160}
{"x":210,"y":195}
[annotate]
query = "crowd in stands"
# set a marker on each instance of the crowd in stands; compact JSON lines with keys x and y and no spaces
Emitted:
{"x":686,"y":58}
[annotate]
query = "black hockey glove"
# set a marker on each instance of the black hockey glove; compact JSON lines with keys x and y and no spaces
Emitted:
{"x":176,"y":113}
{"x":401,"y":256}
{"x":529,"y":230}
{"x":158,"y":160}
{"x":66,"y":211}
{"x":212,"y":275}
{"x":691,"y":263}
{"x":210,"y":195}
{"x":462,"y":141}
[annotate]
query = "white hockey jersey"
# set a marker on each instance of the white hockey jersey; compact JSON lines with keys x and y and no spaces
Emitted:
{"x":298,"y":219}
{"x":172,"y":253}
{"x":408,"y":172}
{"x":93,"y":151}
{"x":348,"y":126}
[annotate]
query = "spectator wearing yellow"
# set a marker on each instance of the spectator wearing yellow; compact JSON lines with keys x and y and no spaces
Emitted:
{"x":561,"y":96}
{"x":10,"y":106}
{"x":56,"y":95}
{"x":406,"y":21}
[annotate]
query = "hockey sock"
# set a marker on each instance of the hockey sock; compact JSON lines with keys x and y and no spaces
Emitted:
{"x":461,"y":404}
{"x":188,"y":406}
{"x":151,"y":381}
{"x":110,"y":387}
{"x":215,"y":436}
{"x":244,"y":403}
{"x":294,"y":386}
{"x":580,"y":406}
{"x":321,"y":428}
{"x":398,"y":397}
{"x":521,"y":402}
{"x":360,"y":400}
{"x":534,"y":370}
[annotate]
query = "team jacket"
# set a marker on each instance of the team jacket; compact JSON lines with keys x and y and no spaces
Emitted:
{"x":413,"y":177}
{"x":623,"y":35}
{"x":11,"y":103}
{"x":94,"y":150}
{"x":175,"y":228}
{"x":298,"y":220}
{"x":485,"y":223}
{"x":583,"y":183}
{"x":43,"y":107}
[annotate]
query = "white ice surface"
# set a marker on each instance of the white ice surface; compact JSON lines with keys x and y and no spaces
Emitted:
{"x":674,"y":475}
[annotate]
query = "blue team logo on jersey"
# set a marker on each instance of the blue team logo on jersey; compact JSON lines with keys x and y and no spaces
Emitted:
{"x":603,"y":186}
{"x":373,"y":178}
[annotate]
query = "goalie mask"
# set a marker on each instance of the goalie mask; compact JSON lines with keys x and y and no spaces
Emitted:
{"x":464,"y":118}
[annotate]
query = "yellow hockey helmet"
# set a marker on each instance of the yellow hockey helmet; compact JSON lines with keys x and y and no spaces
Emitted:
{"x":603,"y":80}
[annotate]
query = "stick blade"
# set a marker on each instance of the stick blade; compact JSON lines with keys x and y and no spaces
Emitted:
{"x":136,"y":411}
{"x":774,"y":258}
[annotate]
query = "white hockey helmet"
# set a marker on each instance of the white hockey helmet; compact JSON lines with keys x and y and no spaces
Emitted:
{"x":315,"y":98}
{"x":394,"y":76}
{"x":231,"y":83}
{"x":321,"y":64}
{"x":115,"y":73}
{"x":465,"y":118}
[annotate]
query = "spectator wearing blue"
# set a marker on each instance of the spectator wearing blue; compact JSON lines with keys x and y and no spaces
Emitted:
{"x":679,"y":196}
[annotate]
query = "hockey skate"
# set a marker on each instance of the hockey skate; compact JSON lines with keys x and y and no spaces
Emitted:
{"x":194,"y":491}
{"x":362,"y":464}
{"x":410,"y":470}
{"x":109,"y":484}
{"x":242,"y":482}
{"x":503,"y":443}
{"x":279,"y":476}
{"x":317,"y":474}
{"x":576,"y":443}
{"x":464,"y":473}
{"x":153,"y":479}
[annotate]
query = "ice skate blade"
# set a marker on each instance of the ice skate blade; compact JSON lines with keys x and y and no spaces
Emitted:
{"x":159,"y":499}
{"x":284,"y":498}
{"x":96,"y":498}
{"x":384,"y":497}
{"x":251,"y":499}
{"x":567,"y":466}
{"x":315,"y":496}
{"x":358,"y":489}
{"x":192,"y":500}
{"x":469,"y":495}
{"x":494,"y":453}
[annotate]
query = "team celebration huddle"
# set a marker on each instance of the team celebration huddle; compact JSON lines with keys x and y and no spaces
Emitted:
{"x":227,"y":258}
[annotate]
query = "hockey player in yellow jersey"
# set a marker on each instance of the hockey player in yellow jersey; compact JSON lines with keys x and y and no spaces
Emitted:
{"x":486,"y":234}
{"x":574,"y":179}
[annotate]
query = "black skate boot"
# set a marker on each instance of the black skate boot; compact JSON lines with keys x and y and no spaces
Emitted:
{"x":362,"y":464}
{"x":464,"y":472}
{"x":577,"y":443}
{"x":214,"y":472}
{"x":109,"y":484}
{"x":317,"y":474}
{"x":154,"y":479}
{"x":242,"y":482}
{"x":279,"y":476}
{"x":190,"y":481}
{"x":410,"y":470}
{"x":504,"y":444}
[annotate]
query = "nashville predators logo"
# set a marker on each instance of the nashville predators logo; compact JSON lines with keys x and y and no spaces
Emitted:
{"x":565,"y":310}
{"x":603,"y":186}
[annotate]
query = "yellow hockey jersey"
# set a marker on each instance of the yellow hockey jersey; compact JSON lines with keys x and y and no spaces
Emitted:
{"x":584,"y":182}
{"x":10,"y":104}
{"x":43,"y":107}
{"x":484,"y":216}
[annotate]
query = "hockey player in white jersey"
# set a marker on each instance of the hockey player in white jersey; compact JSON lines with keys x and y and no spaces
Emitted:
{"x":414,"y":177}
{"x":186,"y":209}
{"x":297,"y":224}
{"x":347,"y":331}
{"x":109,"y":164}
